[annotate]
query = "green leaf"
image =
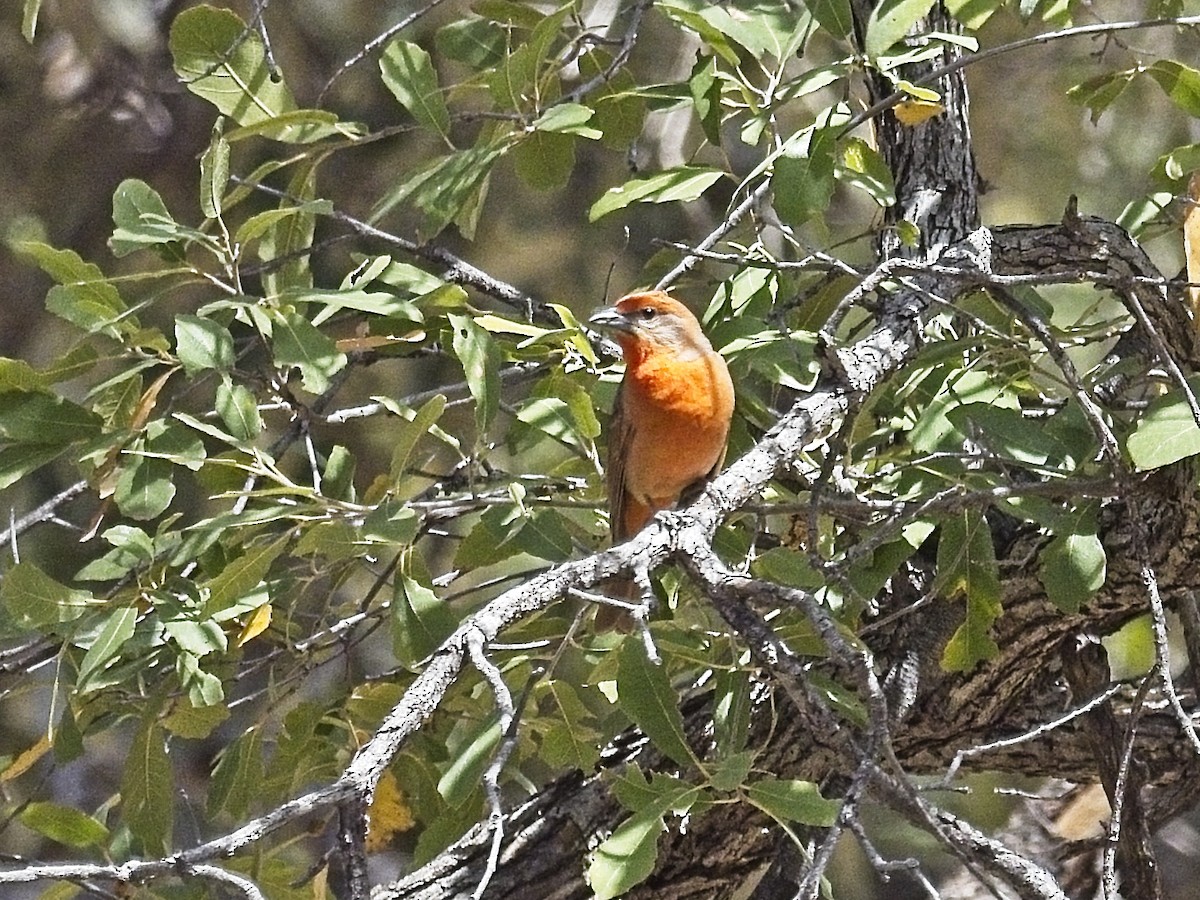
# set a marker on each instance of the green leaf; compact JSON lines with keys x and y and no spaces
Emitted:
{"x":793,"y":801}
{"x":287,"y":243}
{"x":832,"y":15}
{"x":203,"y":344}
{"x":803,"y":177}
{"x":620,"y":110}
{"x":544,"y":160}
{"x":480,"y":357}
{"x":1099,"y":93}
{"x":142,"y":219}
{"x":296,"y":342}
{"x":411,"y":433}
{"x":1009,"y":434}
{"x":391,"y":522}
{"x":242,"y":576}
{"x":517,"y":82}
{"x":465,"y":773}
{"x":203,"y":688}
{"x":1073,"y":566}
{"x":1167,"y":432}
{"x":862,"y":166}
{"x":790,"y":567}
{"x":238,"y":408}
{"x":476,"y":42}
{"x":44,"y":418}
{"x":18,"y":461}
{"x":300,"y":126}
{"x":18,"y":375}
{"x":238,"y":778}
{"x":766,"y":30}
{"x":29,"y":17}
{"x":551,"y":416}
{"x":945,"y":388}
{"x":420,"y":621}
{"x":262,"y":223}
{"x":145,"y":487}
{"x":36,"y":600}
{"x":890,"y":21}
{"x":973,"y":13}
{"x":1181,"y":83}
{"x":214,"y":172}
{"x":646,"y":696}
{"x":443,"y":189}
{"x":626,"y":858}
{"x":117,"y":629}
{"x":567,"y":118}
{"x":377,"y":303}
{"x":83,"y":296}
{"x":148,"y":790}
{"x":966,"y":565}
{"x":571,"y":740}
{"x":705,"y":89}
{"x":64,"y":824}
{"x":195,"y":722}
{"x":221,"y":59}
{"x":684,"y":183}
{"x":686,"y":15}
{"x":410,"y":76}
{"x":732,"y":707}
{"x":190,"y":628}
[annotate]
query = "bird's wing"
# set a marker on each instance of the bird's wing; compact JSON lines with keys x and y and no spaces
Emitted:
{"x":620,"y":440}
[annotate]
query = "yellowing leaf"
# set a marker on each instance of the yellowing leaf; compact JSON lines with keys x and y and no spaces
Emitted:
{"x":26,"y":760}
{"x":258,"y":622}
{"x":914,"y":112}
{"x":389,"y":814}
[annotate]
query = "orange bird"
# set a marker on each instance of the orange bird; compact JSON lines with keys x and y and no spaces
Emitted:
{"x":671,"y":419}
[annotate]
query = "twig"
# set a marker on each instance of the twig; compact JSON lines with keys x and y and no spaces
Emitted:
{"x":491,"y":777}
{"x":373,"y":45}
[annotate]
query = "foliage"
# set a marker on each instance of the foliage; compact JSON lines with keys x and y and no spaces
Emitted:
{"x":245,"y":534}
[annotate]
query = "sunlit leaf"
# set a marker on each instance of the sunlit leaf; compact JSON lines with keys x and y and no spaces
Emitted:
{"x":684,"y":184}
{"x":117,"y":629}
{"x":203,"y":344}
{"x":793,"y":801}
{"x":465,"y":773}
{"x":890,"y":21}
{"x":1073,"y":566}
{"x":1167,"y":432}
{"x":296,"y":342}
{"x":35,"y":599}
{"x":409,"y":74}
{"x":1180,"y":82}
{"x":64,"y":824}
{"x":218,"y":57}
{"x":480,"y":358}
{"x":214,"y":172}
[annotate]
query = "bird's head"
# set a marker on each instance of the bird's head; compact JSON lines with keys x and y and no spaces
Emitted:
{"x":652,"y":322}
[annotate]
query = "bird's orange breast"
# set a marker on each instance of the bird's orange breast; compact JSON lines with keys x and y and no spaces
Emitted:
{"x":681,"y":409}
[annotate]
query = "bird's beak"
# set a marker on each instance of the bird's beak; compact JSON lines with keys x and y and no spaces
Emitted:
{"x":610,"y":317}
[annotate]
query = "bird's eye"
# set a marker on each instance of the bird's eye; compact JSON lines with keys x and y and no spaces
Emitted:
{"x":649,"y":313}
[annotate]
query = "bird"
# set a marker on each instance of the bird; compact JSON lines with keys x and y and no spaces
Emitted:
{"x":670,"y":422}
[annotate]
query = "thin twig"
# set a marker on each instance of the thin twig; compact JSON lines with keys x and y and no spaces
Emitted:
{"x":374,"y":44}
